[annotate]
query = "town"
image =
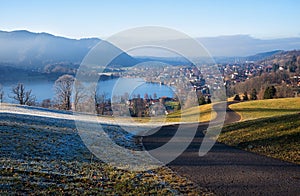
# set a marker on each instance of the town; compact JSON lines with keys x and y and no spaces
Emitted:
{"x":280,"y":71}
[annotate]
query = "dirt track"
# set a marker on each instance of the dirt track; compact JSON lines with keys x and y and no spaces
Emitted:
{"x":229,"y":171}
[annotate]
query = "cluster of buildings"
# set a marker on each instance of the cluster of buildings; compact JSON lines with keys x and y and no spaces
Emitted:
{"x":184,"y":78}
{"x":190,"y":78}
{"x":181,"y":77}
{"x":240,"y":72}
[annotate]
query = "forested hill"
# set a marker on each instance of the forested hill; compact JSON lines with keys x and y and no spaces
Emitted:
{"x":280,"y":71}
{"x":284,"y":59}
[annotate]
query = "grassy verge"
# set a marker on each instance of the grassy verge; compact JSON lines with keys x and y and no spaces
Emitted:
{"x":201,"y":113}
{"x":277,"y":137}
{"x":266,"y":108}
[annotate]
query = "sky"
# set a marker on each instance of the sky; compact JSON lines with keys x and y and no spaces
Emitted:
{"x":264,"y":19}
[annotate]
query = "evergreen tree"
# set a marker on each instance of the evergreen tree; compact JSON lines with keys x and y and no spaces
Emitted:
{"x":208,"y":101}
{"x":253,"y":95}
{"x":201,"y":100}
{"x":270,"y":92}
{"x":275,"y":67}
{"x":245,"y":96}
{"x":237,"y":98}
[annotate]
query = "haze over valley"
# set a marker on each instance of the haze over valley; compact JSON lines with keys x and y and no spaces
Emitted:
{"x":149,"y":97}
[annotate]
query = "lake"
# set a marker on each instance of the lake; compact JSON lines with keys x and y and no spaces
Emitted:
{"x":118,"y":87}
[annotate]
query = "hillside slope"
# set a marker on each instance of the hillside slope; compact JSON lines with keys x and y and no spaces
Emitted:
{"x":35,"y":49}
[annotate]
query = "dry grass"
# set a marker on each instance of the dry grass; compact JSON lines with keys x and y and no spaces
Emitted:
{"x":277,"y":137}
{"x":266,"y":108}
{"x":201,"y":113}
{"x":40,"y":156}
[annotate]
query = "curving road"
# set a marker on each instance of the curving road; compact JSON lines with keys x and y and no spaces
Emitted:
{"x":226,"y":170}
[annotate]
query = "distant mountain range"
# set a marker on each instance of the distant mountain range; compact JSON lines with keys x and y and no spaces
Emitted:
{"x":39,"y":49}
{"x":245,"y":45}
{"x":218,"y":59}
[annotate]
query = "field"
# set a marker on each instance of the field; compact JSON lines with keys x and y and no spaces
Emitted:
{"x":266,"y":108}
{"x":203,"y":113}
{"x":42,"y":155}
{"x":269,"y":127}
{"x":277,"y":137}
{"x":46,"y":155}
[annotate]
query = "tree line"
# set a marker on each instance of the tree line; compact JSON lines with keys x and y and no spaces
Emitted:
{"x":63,"y":91}
{"x":278,"y":82}
{"x":72,"y":94}
{"x":269,"y":93}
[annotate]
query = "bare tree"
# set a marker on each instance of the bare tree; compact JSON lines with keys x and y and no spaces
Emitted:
{"x":46,"y":103}
{"x":63,"y":90}
{"x":138,"y":107}
{"x":284,"y":91}
{"x":1,"y":94}
{"x":84,"y":97}
{"x":91,"y":99}
{"x":79,"y":95}
{"x":101,"y":100}
{"x":23,"y":97}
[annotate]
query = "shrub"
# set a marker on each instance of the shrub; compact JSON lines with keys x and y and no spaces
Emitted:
{"x":237,"y":98}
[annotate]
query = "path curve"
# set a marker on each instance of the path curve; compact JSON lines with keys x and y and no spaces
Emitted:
{"x":229,"y":171}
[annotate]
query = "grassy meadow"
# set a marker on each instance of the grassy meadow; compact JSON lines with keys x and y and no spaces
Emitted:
{"x":269,"y":127}
{"x":46,"y":156}
{"x":266,"y":108}
{"x":203,"y":113}
{"x":277,"y":137}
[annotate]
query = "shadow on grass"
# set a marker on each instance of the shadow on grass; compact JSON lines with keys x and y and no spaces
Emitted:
{"x":260,"y":122}
{"x":272,"y":141}
{"x":273,"y":110}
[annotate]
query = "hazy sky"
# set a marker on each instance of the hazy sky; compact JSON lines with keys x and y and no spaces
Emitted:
{"x":198,"y":18}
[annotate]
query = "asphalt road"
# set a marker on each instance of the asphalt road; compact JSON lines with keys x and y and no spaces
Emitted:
{"x":226,"y":170}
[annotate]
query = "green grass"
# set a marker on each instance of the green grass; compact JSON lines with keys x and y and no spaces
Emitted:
{"x":201,"y":113}
{"x":277,"y":137}
{"x":266,"y":108}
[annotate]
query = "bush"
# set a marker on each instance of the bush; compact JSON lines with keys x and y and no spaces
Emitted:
{"x":245,"y":97}
{"x":237,"y":98}
{"x":270,"y":92}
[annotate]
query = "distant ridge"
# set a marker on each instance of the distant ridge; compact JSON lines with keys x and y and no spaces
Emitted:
{"x":35,"y":50}
{"x":29,"y":49}
{"x":245,"y":45}
{"x":263,"y":55}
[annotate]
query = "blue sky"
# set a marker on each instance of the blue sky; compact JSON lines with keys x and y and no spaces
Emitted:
{"x":198,"y":18}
